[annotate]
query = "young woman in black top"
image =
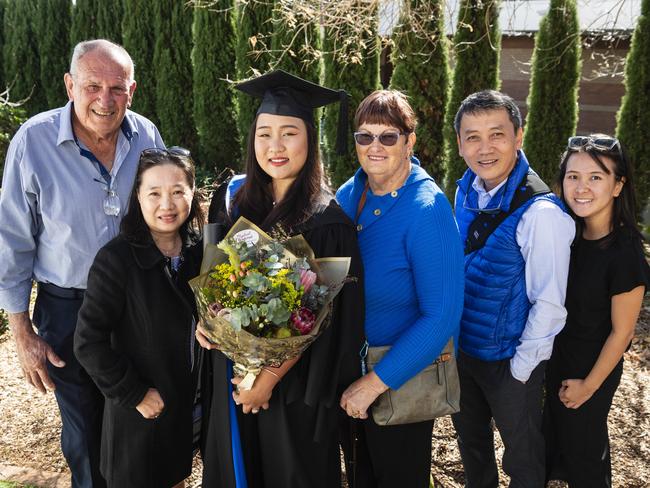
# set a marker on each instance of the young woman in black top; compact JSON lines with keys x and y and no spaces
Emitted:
{"x":608,"y":277}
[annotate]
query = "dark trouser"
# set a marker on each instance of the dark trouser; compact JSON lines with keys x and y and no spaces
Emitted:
{"x":388,"y":456}
{"x":80,"y":402}
{"x":577,"y":440}
{"x":488,"y":390}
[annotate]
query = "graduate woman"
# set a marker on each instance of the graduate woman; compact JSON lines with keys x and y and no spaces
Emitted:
{"x":283,"y":432}
{"x":608,"y":277}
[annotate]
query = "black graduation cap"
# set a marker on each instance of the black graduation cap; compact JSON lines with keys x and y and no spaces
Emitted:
{"x":285,"y":94}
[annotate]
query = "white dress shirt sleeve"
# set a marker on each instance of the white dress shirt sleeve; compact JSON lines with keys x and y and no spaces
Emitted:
{"x":544,"y":234}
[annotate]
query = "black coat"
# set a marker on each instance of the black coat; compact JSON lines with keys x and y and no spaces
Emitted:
{"x":134,"y":332}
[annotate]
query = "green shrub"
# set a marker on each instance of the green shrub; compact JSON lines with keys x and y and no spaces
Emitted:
{"x":477,"y":43}
{"x":356,"y":73}
{"x":253,"y":28}
{"x":53,"y":21}
{"x":21,"y":58}
{"x":4,"y":323}
{"x":10,"y":120}
{"x":553,"y":99}
{"x":421,"y":71}
{"x":173,"y":64}
{"x":634,"y":115}
{"x":139,"y":40}
{"x":213,"y":59}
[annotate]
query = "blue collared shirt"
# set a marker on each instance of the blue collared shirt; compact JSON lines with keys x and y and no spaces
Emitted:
{"x":51,"y":203}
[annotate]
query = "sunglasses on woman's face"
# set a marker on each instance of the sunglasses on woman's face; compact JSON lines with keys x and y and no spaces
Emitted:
{"x":159,"y":151}
{"x":577,"y":143}
{"x":385,"y":138}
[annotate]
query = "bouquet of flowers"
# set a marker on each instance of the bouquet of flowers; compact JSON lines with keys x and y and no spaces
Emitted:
{"x":263,"y":300}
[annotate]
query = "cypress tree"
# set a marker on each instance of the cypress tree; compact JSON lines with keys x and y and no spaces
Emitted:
{"x":84,"y":21}
{"x":297,"y":54}
{"x":296,"y":46}
{"x":139,"y":39}
{"x":213,"y":59}
{"x":2,"y":43}
{"x":10,"y":120}
{"x":477,"y":42}
{"x":21,"y":60}
{"x":553,"y":98}
{"x":173,"y":69}
{"x":359,"y":78}
{"x":109,"y":20}
{"x":633,"y":118}
{"x":253,"y":26}
{"x":54,"y":49}
{"x":421,"y":71}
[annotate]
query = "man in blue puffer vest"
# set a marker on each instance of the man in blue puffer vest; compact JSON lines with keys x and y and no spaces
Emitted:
{"x":517,"y":238}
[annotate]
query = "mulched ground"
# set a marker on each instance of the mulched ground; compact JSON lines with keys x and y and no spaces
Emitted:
{"x":29,"y":430}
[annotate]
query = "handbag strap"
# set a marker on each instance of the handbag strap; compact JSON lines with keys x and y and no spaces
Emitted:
{"x":362,"y":202}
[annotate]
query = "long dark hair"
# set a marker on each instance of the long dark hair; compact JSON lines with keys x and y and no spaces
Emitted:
{"x":133,"y":225}
{"x":254,"y":200}
{"x":624,"y":212}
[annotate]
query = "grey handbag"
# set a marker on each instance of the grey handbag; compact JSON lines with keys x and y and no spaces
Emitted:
{"x":433,"y":392}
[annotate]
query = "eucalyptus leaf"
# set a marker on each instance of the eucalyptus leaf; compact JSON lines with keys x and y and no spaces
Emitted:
{"x":256,"y":281}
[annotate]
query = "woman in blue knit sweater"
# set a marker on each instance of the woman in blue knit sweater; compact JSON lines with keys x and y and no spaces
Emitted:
{"x":413,"y":266}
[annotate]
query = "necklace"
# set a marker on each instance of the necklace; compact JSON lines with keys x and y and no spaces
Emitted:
{"x":174,"y":250}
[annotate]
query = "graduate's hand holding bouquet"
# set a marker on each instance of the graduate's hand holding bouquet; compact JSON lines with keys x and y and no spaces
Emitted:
{"x":264,"y":300}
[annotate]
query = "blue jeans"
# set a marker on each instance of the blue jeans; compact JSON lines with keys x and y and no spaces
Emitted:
{"x":80,"y":402}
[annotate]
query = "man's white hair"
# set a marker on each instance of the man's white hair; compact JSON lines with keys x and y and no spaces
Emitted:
{"x":105,"y":46}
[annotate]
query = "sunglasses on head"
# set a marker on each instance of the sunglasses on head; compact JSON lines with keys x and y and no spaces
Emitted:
{"x":577,"y":143}
{"x":385,"y":139}
{"x":159,"y":151}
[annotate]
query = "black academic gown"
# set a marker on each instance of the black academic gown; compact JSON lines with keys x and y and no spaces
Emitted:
{"x":295,"y":442}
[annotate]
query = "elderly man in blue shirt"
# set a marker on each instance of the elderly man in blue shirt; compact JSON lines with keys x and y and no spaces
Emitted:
{"x":517,"y":246}
{"x":67,"y":178}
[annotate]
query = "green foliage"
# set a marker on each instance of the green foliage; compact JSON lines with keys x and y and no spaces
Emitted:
{"x":253,"y":28}
{"x":173,"y":71}
{"x":109,"y":20}
{"x":296,"y":46}
{"x":422,"y":72}
{"x":634,"y":116}
{"x":4,"y":327}
{"x":139,"y":40}
{"x":477,"y":43}
{"x":21,"y":60}
{"x":2,"y":43}
{"x":53,"y":21}
{"x":10,"y":120}
{"x":359,"y":76}
{"x":213,"y":59}
{"x":84,"y":21}
{"x":553,"y":99}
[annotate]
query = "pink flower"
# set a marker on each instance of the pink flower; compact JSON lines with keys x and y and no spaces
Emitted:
{"x":307,"y":279}
{"x":303,"y":320}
